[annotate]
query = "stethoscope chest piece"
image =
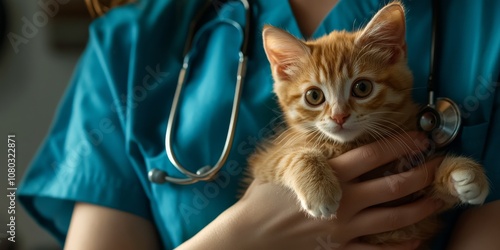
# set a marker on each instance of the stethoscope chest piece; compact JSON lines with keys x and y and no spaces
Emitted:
{"x":442,"y":121}
{"x":441,"y":118}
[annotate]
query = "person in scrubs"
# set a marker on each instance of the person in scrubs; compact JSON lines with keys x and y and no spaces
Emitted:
{"x":88,"y":184}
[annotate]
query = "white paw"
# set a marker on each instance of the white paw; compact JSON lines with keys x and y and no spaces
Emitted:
{"x":468,"y":191}
{"x":321,"y":208}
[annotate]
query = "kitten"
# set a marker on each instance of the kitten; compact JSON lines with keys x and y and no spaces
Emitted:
{"x":339,"y":92}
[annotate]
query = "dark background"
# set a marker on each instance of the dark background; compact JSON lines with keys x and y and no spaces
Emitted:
{"x":32,"y":81}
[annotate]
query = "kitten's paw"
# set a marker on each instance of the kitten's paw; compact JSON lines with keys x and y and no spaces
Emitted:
{"x":468,"y":190}
{"x":321,"y":204}
{"x":324,"y":210}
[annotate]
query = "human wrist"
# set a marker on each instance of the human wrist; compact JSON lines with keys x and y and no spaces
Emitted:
{"x":224,"y":232}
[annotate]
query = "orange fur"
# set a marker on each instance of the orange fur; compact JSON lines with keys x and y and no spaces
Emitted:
{"x":338,"y":67}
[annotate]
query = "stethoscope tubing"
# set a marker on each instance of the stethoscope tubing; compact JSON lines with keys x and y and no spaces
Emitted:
{"x":441,"y":117}
{"x":205,"y":173}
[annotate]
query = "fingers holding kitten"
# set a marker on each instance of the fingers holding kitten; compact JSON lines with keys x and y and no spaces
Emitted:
{"x":360,"y":160}
{"x":386,"y":219}
{"x":394,"y":186}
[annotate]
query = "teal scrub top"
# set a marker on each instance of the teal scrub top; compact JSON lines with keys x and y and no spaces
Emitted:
{"x":110,"y":127}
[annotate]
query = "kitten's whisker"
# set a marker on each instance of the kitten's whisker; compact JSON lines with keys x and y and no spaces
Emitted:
{"x":317,"y":136}
{"x":377,"y":136}
{"x":414,"y":158}
{"x":385,"y":113}
{"x":296,"y":133}
{"x":398,"y":127}
{"x":283,"y":135}
{"x":380,"y":130}
{"x":390,"y":146}
{"x":289,"y":136}
{"x":311,"y":137}
{"x":392,"y":132}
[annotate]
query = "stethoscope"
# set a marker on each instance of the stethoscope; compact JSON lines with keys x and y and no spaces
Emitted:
{"x":441,"y":118}
{"x":205,"y":173}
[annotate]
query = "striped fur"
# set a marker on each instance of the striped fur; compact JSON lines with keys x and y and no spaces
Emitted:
{"x":297,"y":158}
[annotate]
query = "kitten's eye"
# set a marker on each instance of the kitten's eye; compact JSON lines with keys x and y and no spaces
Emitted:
{"x":314,"y":96}
{"x":362,"y":88}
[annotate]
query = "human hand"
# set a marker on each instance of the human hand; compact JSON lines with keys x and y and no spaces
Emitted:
{"x":356,"y":211}
{"x":269,"y":217}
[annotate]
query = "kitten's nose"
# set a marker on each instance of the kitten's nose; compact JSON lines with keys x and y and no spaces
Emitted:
{"x":340,"y":118}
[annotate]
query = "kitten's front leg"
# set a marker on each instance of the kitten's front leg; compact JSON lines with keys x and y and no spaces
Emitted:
{"x":462,"y":178}
{"x":307,"y":172}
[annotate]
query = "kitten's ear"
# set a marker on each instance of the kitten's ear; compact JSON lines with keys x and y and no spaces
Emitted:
{"x":284,"y":52}
{"x":387,"y":28}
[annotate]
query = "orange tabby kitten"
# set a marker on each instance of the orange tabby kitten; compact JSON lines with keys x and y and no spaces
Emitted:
{"x":341,"y":91}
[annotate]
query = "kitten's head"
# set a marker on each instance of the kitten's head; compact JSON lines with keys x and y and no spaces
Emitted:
{"x":347,"y":85}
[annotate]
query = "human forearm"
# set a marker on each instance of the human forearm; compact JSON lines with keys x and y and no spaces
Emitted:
{"x":478,"y":228}
{"x":219,"y":234}
{"x":96,"y":227}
